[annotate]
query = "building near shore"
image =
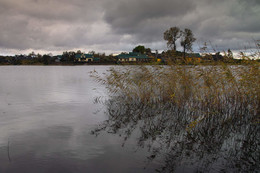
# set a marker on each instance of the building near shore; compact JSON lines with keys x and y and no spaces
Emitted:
{"x":86,"y":58}
{"x":133,"y":57}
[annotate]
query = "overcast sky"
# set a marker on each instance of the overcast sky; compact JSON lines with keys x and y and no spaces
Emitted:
{"x":120,"y":25}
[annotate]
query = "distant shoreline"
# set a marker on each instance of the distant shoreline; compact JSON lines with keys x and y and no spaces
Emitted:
{"x":124,"y":64}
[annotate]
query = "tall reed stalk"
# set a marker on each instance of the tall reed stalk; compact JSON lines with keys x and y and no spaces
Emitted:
{"x":190,"y":114}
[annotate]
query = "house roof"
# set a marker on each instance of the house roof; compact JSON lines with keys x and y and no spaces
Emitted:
{"x":132,"y":55}
{"x":58,"y":56}
{"x":84,"y":56}
{"x":78,"y":56}
{"x":89,"y":56}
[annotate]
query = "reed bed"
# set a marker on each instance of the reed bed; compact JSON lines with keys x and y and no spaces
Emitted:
{"x":206,"y":116}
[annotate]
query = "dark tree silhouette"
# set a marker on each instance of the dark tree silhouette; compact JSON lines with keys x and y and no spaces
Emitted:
{"x":187,"y":40}
{"x":171,"y":36}
{"x":139,"y":49}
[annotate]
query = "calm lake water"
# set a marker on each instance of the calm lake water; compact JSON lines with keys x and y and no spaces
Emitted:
{"x":46,"y":116}
{"x":59,"y":119}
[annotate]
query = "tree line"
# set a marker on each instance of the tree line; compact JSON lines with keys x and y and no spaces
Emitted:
{"x":173,"y":36}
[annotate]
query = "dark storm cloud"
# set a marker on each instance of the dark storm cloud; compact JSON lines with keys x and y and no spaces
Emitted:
{"x":128,"y":16}
{"x":51,"y":9}
{"x":215,"y":21}
{"x":42,"y":24}
{"x":118,"y":25}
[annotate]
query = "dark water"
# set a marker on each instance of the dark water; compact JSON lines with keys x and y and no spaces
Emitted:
{"x":46,"y":116}
{"x":187,"y":134}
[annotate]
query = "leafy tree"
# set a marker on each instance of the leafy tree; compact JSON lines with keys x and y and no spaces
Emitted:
{"x":72,"y":56}
{"x":39,"y":56}
{"x":139,"y":49}
{"x":230,"y":54}
{"x":32,"y":54}
{"x":46,"y":59}
{"x":65,"y":56}
{"x":68,"y":56}
{"x":92,"y":52}
{"x":107,"y":59}
{"x":187,"y":40}
{"x":171,"y":36}
{"x":148,"y":51}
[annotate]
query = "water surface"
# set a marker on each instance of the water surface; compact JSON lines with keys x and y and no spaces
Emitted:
{"x":46,"y":116}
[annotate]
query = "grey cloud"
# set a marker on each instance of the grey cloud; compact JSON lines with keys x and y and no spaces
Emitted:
{"x":56,"y":10}
{"x":219,"y":20}
{"x":115,"y":25}
{"x":246,"y":15}
{"x":46,"y":23}
{"x":130,"y":16}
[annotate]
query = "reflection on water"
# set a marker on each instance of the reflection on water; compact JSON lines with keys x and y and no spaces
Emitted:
{"x":46,"y":115}
{"x":225,"y":139}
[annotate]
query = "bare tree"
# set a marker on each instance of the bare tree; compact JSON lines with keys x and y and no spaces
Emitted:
{"x":187,"y":40}
{"x":171,"y":36}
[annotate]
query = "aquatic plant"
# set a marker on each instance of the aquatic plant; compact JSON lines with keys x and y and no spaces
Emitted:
{"x":205,"y":116}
